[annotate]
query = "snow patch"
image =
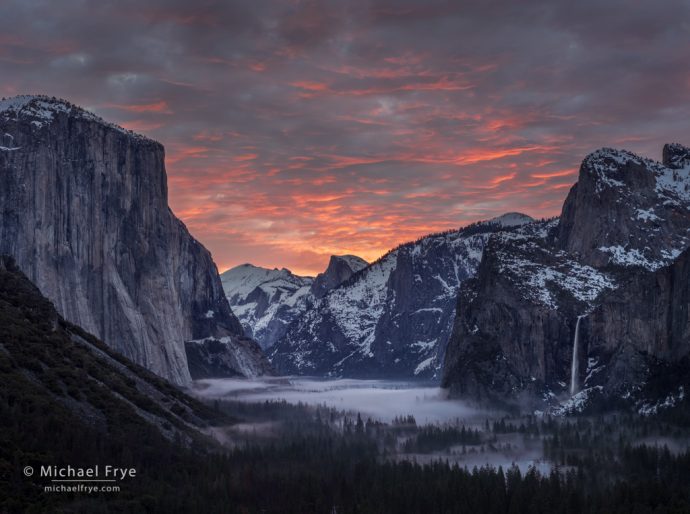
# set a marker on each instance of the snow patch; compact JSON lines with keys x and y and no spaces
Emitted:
{"x":577,"y":403}
{"x":42,"y":110}
{"x":647,"y":215}
{"x":650,"y":409}
{"x":630,"y":257}
{"x":424,"y":365}
{"x":583,"y":282}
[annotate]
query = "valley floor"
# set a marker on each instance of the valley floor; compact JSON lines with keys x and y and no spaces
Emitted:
{"x":403,"y":408}
{"x":377,"y":446}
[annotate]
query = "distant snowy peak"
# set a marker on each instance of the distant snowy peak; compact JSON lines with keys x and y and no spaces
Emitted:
{"x":240,"y":281}
{"x":267,"y":301}
{"x":354,"y":262}
{"x":44,"y":110}
{"x":510,"y":219}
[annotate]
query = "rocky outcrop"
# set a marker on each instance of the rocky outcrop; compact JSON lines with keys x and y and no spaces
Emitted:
{"x":606,"y":260}
{"x":393,"y":318}
{"x":628,"y":211}
{"x":85,"y":214}
{"x":340,"y":268}
{"x":675,"y":156}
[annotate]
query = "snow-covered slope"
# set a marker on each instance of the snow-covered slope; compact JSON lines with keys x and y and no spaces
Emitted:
{"x":43,"y":111}
{"x":393,"y":318}
{"x":267,"y":301}
{"x":545,"y":275}
{"x":627,"y":210}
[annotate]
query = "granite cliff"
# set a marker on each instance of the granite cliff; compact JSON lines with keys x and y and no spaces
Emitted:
{"x":589,"y":305}
{"x":340,"y":268}
{"x":85,"y":215}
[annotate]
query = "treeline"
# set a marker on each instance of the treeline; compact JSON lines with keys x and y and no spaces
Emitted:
{"x":433,"y":438}
{"x":312,"y":467}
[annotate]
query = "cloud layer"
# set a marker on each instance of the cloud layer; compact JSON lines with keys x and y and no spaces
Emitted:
{"x":299,"y":129}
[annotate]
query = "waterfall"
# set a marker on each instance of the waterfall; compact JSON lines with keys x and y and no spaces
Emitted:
{"x":575,"y":365}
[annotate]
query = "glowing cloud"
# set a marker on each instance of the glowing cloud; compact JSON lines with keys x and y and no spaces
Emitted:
{"x":298,"y":129}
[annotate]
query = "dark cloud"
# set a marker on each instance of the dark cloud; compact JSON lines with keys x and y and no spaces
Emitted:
{"x":296,"y":129}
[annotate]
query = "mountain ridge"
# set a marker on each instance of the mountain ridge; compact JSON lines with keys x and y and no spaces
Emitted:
{"x":389,"y":319}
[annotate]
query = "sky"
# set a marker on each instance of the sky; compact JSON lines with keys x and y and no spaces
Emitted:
{"x":295,"y":130}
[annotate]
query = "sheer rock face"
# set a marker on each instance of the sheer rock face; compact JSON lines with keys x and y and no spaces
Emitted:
{"x":649,"y":316}
{"x":340,"y":268}
{"x":626,"y":210}
{"x":615,"y":257}
{"x":85,"y":214}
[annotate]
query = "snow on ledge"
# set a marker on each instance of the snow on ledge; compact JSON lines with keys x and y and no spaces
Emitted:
{"x":42,"y":110}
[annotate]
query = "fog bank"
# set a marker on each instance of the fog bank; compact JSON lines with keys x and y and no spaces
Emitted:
{"x":378,"y":399}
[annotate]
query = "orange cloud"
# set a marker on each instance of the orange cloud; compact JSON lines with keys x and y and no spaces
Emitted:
{"x":160,"y":107}
{"x":208,"y":136}
{"x":310,"y":86}
{"x":505,"y":178}
{"x":246,"y":157}
{"x":554,"y":174}
{"x":181,"y":153}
